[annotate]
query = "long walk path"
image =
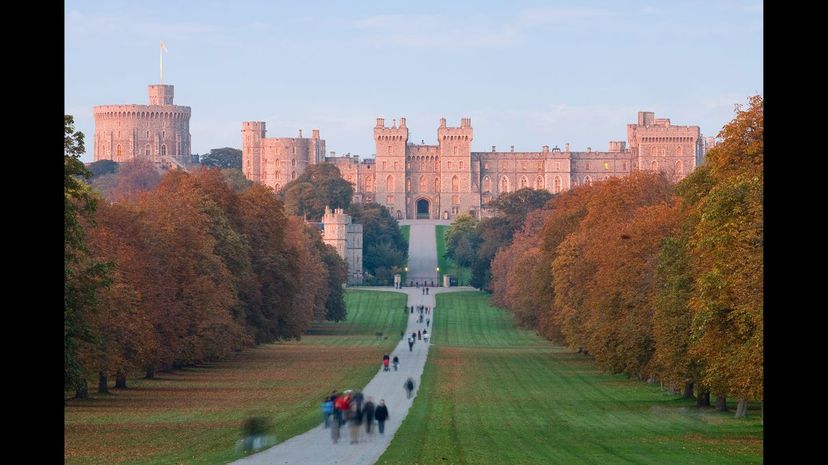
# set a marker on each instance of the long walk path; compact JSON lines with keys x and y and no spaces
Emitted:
{"x":315,"y":446}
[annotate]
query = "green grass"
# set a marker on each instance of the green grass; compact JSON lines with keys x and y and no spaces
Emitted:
{"x":446,"y":264}
{"x":495,"y":394}
{"x":193,"y":416}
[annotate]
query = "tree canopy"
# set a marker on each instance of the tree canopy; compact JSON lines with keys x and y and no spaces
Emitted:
{"x":225,"y":157}
{"x":318,"y":187}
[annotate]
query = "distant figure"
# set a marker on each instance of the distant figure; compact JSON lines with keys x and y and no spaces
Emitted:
{"x":381,"y":414}
{"x":358,"y":398}
{"x":411,"y":344}
{"x":335,"y":430}
{"x":414,"y":335}
{"x":409,"y":387}
{"x":419,"y":335}
{"x":354,"y":422}
{"x":412,"y":309}
{"x":327,"y":411}
{"x":396,"y":362}
{"x":427,"y":291}
{"x":385,"y":360}
{"x":428,"y":320}
{"x":425,"y":335}
{"x":368,"y":413}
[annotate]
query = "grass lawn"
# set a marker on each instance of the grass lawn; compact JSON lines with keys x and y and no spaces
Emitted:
{"x":447,"y":265}
{"x":495,"y":394}
{"x":193,"y":416}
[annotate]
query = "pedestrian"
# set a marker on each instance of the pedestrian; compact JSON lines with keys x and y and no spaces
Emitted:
{"x":342,"y":405}
{"x":355,"y":421}
{"x":409,"y":386}
{"x":381,"y":414}
{"x":412,"y":309}
{"x":414,"y":335}
{"x":428,"y":320}
{"x":335,"y":431}
{"x":419,"y":335}
{"x":385,"y":360}
{"x":410,"y":344}
{"x":396,"y":362}
{"x":368,"y":414}
{"x":357,"y":399}
{"x":327,"y":411}
{"x":425,"y":335}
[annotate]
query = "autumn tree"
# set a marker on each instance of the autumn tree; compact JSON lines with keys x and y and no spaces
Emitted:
{"x":318,"y":187}
{"x":384,"y":248}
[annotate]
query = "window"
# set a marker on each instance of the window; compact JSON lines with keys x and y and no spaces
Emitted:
{"x":389,"y":199}
{"x":163,"y":134}
{"x":449,"y":165}
{"x":539,"y":182}
{"x":408,"y":184}
{"x":624,"y":166}
{"x":523,"y":165}
{"x":557,"y":185}
{"x":369,"y":184}
{"x":293,"y":175}
{"x":423,"y":184}
{"x":147,"y":150}
{"x":487,"y":184}
{"x":587,"y":181}
{"x":461,"y":165}
{"x":504,"y":184}
{"x":524,"y":182}
{"x":147,"y":134}
{"x":486,"y":165}
{"x":587,"y":166}
{"x":679,"y":168}
{"x":455,"y":210}
{"x":455,"y":184}
{"x":606,"y":165}
{"x":455,"y":150}
{"x":436,"y":184}
{"x":557,"y":166}
{"x":383,"y":165}
{"x":164,"y":150}
{"x":396,"y":166}
{"x":678,"y":151}
{"x":654,"y":165}
{"x":293,"y":162}
{"x":455,"y":199}
{"x":389,"y":183}
{"x":118,"y":150}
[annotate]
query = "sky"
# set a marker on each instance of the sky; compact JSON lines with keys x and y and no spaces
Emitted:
{"x":527,"y":73}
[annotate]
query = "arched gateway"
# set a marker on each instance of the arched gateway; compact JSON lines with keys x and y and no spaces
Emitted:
{"x":422,"y":209}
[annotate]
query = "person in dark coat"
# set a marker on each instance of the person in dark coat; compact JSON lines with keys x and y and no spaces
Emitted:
{"x":419,"y":334}
{"x":381,"y":414}
{"x":409,"y":387}
{"x":411,"y":344}
{"x":396,"y":362}
{"x":368,"y":414}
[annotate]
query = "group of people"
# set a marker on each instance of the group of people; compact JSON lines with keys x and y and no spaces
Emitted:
{"x":351,"y":408}
{"x":385,"y":361}
{"x":417,"y":284}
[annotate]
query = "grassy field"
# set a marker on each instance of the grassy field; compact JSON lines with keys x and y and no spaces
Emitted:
{"x":193,"y":416}
{"x":495,"y":394}
{"x":447,"y":265}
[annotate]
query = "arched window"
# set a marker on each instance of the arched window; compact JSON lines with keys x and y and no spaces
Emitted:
{"x":423,"y":184}
{"x":654,"y":165}
{"x":408,"y":184}
{"x":539,"y":182}
{"x":574,"y":182}
{"x":389,"y":183}
{"x":147,"y":150}
{"x":164,"y":150}
{"x":118,"y":150}
{"x":504,"y":184}
{"x":678,"y":151}
{"x":293,"y":175}
{"x":455,"y":184}
{"x":587,"y":181}
{"x":487,"y":184}
{"x":437,"y":184}
{"x":369,"y":184}
{"x":679,"y":168}
{"x":293,"y":162}
{"x":524,"y":182}
{"x":556,"y":187}
{"x":277,"y":187}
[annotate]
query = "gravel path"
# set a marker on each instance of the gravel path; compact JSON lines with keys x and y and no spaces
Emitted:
{"x":315,"y":446}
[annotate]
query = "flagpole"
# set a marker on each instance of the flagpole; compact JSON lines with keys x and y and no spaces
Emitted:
{"x":161,"y":60}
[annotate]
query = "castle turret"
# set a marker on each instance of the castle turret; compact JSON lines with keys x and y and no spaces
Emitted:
{"x":161,"y":94}
{"x":455,"y":165}
{"x":252,"y":134}
{"x":391,"y":166}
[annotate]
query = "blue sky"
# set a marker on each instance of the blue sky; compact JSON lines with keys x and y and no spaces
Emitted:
{"x":528,"y":73}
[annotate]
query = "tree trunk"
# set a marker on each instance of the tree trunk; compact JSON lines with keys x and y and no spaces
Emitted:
{"x":688,"y":390}
{"x":741,"y":408}
{"x":673,"y":390}
{"x":83,"y":391}
{"x":704,"y":398}
{"x":721,"y":403}
{"x":120,"y":379}
{"x":150,"y":373}
{"x":102,"y":383}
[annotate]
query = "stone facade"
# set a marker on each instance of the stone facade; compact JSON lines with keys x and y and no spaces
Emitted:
{"x":346,"y":238}
{"x":159,"y":131}
{"x":447,"y":179}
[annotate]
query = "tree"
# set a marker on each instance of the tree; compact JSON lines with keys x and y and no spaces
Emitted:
{"x":318,"y":187}
{"x":100,"y":167}
{"x":384,"y":247}
{"x":462,"y":240}
{"x":225,"y":157}
{"x":82,"y":276}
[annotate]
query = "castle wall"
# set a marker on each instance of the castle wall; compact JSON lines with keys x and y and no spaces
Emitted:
{"x":127,"y":132}
{"x":276,"y":161}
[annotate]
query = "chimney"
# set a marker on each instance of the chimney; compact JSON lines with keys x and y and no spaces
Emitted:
{"x":566,"y":147}
{"x":589,"y":149}
{"x":402,"y":122}
{"x":493,"y":148}
{"x":513,"y":148}
{"x":442,"y":122}
{"x":315,"y":134}
{"x":545,"y":148}
{"x":380,"y":122}
{"x":300,"y":133}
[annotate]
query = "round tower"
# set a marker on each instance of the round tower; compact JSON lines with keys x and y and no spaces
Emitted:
{"x":160,"y":94}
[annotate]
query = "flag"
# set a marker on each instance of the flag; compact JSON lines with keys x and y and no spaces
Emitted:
{"x":163,"y":47}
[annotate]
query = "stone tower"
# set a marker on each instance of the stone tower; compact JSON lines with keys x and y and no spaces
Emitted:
{"x":159,"y":132}
{"x":346,"y":238}
{"x":455,"y":165}
{"x":390,"y":166}
{"x":661,"y":146}
{"x":252,"y":134}
{"x":275,"y":161}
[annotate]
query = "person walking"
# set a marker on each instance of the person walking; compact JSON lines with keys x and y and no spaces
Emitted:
{"x":428,"y":320}
{"x":396,"y":362}
{"x":419,"y":335}
{"x":355,"y":421}
{"x":368,"y":414}
{"x":385,"y":361}
{"x":327,"y":411}
{"x":381,"y":414}
{"x":409,"y":386}
{"x":411,"y":344}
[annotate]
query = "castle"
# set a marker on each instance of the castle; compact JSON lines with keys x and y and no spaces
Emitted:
{"x":447,"y":179}
{"x":159,"y":132}
{"x":346,"y":238}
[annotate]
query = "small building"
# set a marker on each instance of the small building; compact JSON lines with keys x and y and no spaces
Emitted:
{"x":346,"y":238}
